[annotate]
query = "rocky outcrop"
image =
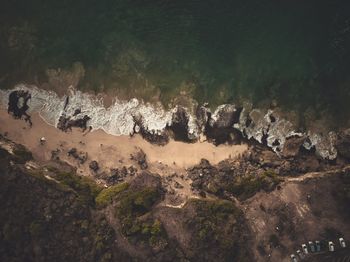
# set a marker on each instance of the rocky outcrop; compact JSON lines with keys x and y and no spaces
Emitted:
{"x":220,"y":126}
{"x":159,"y":137}
{"x":292,"y":146}
{"x":18,"y":104}
{"x":180,"y":125}
{"x":67,"y":123}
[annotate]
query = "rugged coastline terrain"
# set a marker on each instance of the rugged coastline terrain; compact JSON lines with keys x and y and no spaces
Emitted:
{"x":85,"y":195}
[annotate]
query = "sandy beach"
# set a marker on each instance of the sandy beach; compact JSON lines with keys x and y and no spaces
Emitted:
{"x":110,"y":151}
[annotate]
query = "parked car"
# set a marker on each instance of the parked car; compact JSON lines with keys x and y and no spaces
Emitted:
{"x":331,"y":246}
{"x":300,"y":254}
{"x":342,"y":242}
{"x":293,"y":258}
{"x":318,"y":246}
{"x":312,"y":247}
{"x":304,"y":248}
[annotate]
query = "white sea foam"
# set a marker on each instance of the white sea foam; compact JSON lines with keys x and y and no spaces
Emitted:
{"x":115,"y":120}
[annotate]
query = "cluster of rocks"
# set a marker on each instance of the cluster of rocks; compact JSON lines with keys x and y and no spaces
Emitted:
{"x":78,"y":155}
{"x":66,"y":123}
{"x":140,"y":158}
{"x":117,"y":175}
{"x":171,"y":183}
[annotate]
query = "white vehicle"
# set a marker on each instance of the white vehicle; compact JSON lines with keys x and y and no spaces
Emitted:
{"x":331,"y":246}
{"x":318,"y":246}
{"x":312,"y":247}
{"x":342,"y":242}
{"x":293,"y":258}
{"x":304,"y":248}
{"x":300,"y":254}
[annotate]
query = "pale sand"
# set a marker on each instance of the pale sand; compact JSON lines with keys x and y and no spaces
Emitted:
{"x":110,"y":151}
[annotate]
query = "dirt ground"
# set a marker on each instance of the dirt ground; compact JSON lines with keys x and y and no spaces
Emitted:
{"x":298,"y":212}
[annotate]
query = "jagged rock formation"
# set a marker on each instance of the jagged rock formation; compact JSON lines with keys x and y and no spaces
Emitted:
{"x":66,"y":123}
{"x":18,"y":104}
{"x":220,"y":125}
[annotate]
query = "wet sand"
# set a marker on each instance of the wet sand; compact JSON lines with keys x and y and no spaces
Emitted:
{"x":110,"y":151}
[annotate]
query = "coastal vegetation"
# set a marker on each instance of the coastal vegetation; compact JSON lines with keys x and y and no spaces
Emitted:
{"x":107,"y":195}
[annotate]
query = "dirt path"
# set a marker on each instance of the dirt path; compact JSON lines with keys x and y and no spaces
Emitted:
{"x":312,"y":175}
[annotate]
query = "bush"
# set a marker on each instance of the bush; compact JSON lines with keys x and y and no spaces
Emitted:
{"x":86,"y":188}
{"x":247,"y":186}
{"x":106,"y":196}
{"x":136,"y":203}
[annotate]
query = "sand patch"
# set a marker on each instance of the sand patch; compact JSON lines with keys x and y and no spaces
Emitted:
{"x":111,"y":151}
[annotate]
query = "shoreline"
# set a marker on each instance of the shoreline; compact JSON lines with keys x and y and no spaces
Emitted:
{"x":228,"y":123}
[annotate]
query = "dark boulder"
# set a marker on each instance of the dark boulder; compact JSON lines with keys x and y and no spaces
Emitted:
{"x":66,"y":123}
{"x":219,"y":128}
{"x":18,"y":105}
{"x":152,"y":136}
{"x":179,"y":124}
{"x":93,"y":165}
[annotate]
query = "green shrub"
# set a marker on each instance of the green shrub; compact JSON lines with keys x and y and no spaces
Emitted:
{"x":214,"y":224}
{"x":86,"y":188}
{"x":106,"y":196}
{"x":136,"y":203}
{"x":245,"y":187}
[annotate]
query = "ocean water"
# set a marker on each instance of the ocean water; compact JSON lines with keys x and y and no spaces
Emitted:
{"x":294,"y":52}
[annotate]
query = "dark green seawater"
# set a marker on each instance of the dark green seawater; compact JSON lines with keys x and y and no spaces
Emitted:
{"x":294,"y":51}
